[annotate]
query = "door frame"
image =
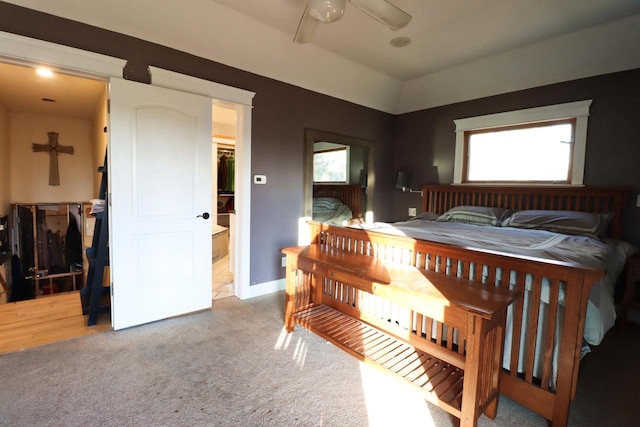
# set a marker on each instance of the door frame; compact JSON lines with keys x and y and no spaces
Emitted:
{"x":28,"y":51}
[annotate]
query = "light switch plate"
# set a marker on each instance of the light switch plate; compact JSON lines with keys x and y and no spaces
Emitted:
{"x":259,"y":179}
{"x":412,"y":212}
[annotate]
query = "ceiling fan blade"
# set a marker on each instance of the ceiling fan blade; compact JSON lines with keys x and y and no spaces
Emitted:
{"x":384,"y":12}
{"x":306,"y":28}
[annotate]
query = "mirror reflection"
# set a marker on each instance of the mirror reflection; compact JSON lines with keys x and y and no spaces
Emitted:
{"x":339,"y":177}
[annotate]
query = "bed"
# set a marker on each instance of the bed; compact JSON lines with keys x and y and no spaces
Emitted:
{"x":336,"y":204}
{"x":545,"y":329}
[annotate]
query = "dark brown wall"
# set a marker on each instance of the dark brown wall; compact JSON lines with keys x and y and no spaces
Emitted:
{"x":413,"y":142}
{"x":280,"y":115}
{"x":427,"y":138}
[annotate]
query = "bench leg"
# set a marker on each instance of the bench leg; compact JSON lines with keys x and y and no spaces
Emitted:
{"x":492,"y":408}
{"x":288,"y":314}
{"x":290,"y":298}
{"x":476,"y":330}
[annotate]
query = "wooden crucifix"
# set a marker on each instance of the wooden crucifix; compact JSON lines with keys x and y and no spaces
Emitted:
{"x":53,"y":148}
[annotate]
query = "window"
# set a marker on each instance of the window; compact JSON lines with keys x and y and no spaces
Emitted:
{"x":539,"y":152}
{"x":330,"y":165}
{"x":544,"y":145}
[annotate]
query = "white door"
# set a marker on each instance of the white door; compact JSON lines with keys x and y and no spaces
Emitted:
{"x":160,"y":189}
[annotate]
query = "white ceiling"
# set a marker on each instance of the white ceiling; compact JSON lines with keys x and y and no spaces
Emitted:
{"x":443,"y":33}
{"x":460,"y":49}
{"x":22,"y":90}
{"x":62,"y":95}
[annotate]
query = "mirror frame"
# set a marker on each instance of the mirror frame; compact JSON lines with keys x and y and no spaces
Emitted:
{"x":311,"y":136}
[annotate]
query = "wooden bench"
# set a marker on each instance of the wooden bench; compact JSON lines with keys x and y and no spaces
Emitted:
{"x":343,"y":296}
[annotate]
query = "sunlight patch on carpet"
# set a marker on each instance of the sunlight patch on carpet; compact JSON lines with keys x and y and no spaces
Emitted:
{"x":390,"y":402}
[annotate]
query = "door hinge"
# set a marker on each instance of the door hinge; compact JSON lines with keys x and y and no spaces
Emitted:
{"x":108,"y":106}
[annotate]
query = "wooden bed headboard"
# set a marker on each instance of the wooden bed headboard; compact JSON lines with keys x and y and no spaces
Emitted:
{"x":350,"y":195}
{"x":440,"y":198}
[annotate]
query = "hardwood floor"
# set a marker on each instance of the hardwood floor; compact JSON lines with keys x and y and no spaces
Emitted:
{"x":40,"y":321}
{"x":45,"y":320}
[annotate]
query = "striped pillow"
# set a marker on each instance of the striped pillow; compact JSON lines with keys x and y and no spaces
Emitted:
{"x":475,"y":215}
{"x":564,"y":222}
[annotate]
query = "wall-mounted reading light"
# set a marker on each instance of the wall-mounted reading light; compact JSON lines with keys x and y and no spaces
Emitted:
{"x":402,"y":182}
{"x":363,"y":178}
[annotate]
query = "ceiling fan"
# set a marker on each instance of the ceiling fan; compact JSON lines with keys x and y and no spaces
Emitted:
{"x":327,"y":11}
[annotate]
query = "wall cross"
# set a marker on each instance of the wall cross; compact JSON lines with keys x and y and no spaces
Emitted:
{"x":53,"y":148}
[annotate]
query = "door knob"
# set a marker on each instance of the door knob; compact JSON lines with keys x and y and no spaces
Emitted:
{"x":204,"y":215}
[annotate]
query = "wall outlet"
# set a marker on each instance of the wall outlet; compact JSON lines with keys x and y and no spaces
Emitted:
{"x":412,"y":212}
{"x":284,"y":261}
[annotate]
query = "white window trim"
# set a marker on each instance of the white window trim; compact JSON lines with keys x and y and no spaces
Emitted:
{"x":578,"y":110}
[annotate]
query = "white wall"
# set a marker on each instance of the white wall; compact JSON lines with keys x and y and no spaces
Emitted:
{"x":4,"y":161}
{"x":29,"y":175}
{"x":4,"y":181}
{"x":100,"y":139}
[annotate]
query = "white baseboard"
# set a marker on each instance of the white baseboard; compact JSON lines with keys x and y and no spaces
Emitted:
{"x":260,"y":289}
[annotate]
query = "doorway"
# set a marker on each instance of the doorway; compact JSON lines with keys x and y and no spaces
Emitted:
{"x":223,"y":139}
{"x":42,"y":195}
{"x":97,"y":65}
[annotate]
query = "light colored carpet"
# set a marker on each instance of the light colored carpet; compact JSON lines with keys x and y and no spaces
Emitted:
{"x":229,"y":366}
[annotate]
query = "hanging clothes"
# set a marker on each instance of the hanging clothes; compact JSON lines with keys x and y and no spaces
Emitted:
{"x":18,"y":284}
{"x":223,"y":173}
{"x":231,"y":168}
{"x":73,"y":243}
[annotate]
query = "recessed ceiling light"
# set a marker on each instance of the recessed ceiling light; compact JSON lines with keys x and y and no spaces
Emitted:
{"x":44,"y":72}
{"x":400,"y":42}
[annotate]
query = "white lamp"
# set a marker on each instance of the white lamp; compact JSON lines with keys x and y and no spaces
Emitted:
{"x":327,"y":11}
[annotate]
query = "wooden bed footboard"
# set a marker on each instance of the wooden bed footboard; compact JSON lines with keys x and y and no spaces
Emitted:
{"x":560,"y":291}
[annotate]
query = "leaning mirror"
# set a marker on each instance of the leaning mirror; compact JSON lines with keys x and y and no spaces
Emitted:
{"x":338,"y":177}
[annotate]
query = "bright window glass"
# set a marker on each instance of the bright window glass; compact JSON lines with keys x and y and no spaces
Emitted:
{"x":502,"y":157}
{"x":330,"y":166}
{"x":534,"y":153}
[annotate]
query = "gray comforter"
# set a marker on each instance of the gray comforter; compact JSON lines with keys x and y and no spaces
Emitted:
{"x":582,"y":250}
